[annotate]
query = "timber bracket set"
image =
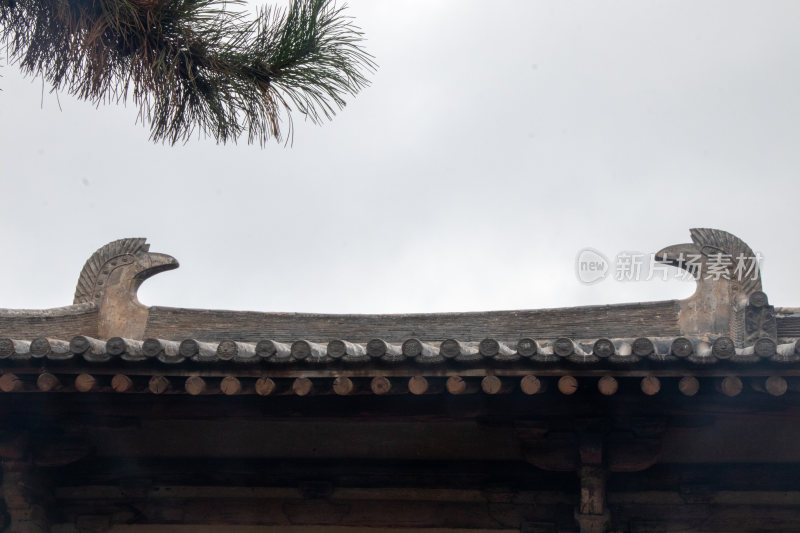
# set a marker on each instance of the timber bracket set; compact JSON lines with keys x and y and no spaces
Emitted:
{"x":24,"y":453}
{"x":592,"y":448}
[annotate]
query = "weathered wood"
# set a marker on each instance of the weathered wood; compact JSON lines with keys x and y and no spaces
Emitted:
{"x":303,"y":387}
{"x":495,"y":385}
{"x":567,"y":385}
{"x":230,"y":385}
{"x":650,"y":385}
{"x":688,"y":385}
{"x":86,"y":383}
{"x":382,"y":385}
{"x":343,"y":386}
{"x":10,"y":383}
{"x":159,"y":384}
{"x":607,"y":385}
{"x":530,"y":385}
{"x":265,"y":386}
{"x":195,"y":385}
{"x":25,"y":497}
{"x":121,"y":383}
{"x":457,"y":385}
{"x":730,"y":386}
{"x":775,"y":386}
{"x":47,"y":382}
{"x":420,"y":385}
{"x":592,"y":515}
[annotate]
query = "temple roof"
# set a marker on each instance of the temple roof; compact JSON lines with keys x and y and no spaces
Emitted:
{"x":726,"y":328}
{"x":526,"y":352}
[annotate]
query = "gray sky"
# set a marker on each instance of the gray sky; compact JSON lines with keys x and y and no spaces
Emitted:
{"x":496,"y":141}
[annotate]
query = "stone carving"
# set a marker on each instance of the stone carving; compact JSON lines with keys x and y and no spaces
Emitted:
{"x":728,"y":302}
{"x":111,"y":278}
{"x":727,"y":274}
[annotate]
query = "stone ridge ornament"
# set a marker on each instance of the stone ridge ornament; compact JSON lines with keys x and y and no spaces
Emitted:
{"x":725,"y":304}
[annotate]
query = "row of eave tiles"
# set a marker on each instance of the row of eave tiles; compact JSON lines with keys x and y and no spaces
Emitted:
{"x":616,"y":351}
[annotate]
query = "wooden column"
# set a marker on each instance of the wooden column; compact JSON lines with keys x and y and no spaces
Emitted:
{"x":592,"y":514}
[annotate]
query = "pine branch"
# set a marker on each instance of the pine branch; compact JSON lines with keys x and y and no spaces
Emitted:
{"x":193,"y":65}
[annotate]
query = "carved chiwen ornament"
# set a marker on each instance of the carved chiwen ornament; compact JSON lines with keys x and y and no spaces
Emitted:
{"x":110,"y":280}
{"x":728,"y":302}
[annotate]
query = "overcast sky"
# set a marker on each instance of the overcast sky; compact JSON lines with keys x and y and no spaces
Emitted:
{"x":496,"y":141}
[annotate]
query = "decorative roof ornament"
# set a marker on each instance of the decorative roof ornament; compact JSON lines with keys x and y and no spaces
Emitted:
{"x":728,"y":278}
{"x":728,"y":302}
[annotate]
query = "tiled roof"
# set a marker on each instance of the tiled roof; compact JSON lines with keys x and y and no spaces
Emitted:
{"x":727,"y":328}
{"x":605,"y":353}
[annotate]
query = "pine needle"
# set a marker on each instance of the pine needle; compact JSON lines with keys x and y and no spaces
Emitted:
{"x":193,"y":66}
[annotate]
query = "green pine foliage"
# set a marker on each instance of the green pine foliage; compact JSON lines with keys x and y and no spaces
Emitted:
{"x":193,"y":66}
